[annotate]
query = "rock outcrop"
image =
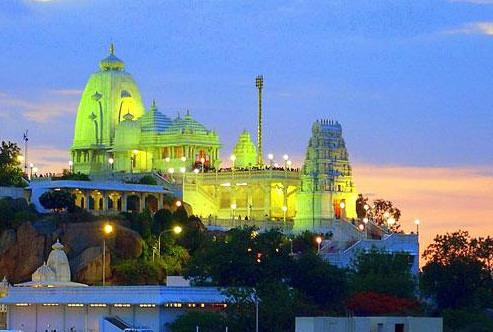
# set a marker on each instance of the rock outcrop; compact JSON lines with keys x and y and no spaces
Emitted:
{"x":24,"y":250}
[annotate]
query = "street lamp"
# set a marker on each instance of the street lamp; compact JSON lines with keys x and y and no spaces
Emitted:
{"x":318,"y":239}
{"x":111,"y":161}
{"x":233,"y":209}
{"x":175,"y":230}
{"x":107,"y":230}
{"x":178,"y":203}
{"x":285,"y":157}
{"x":284,"y":210}
{"x":233,"y":159}
{"x":270,"y":156}
{"x":70,"y":165}
{"x":171,"y":170}
{"x":417,"y":222}
{"x":31,"y":166}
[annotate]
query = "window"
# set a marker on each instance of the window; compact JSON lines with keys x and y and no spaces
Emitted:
{"x":399,"y":327}
{"x":380,"y":327}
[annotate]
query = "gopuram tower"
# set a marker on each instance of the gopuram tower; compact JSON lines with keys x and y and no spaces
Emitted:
{"x":327,"y":191}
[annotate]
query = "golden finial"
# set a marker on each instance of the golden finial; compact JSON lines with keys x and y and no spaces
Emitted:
{"x":112,"y":49}
{"x":153,"y":105}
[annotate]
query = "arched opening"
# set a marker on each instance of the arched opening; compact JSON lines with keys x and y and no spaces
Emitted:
{"x":151,"y":203}
{"x":91,"y":203}
{"x":133,"y":203}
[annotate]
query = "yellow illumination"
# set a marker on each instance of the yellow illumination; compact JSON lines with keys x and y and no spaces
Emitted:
{"x":135,"y":151}
{"x":177,"y":229}
{"x":318,"y":239}
{"x":178,"y":203}
{"x":108,"y":229}
{"x":232,"y":157}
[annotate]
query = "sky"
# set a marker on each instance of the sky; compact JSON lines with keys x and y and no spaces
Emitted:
{"x":410,"y":82}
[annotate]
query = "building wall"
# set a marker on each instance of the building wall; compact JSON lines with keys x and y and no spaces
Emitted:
{"x":367,"y":324}
{"x":39,"y":318}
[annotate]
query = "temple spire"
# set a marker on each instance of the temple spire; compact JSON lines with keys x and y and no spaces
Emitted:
{"x":112,"y":49}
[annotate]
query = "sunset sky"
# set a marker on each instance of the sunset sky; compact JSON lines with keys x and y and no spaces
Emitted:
{"x":410,"y":81}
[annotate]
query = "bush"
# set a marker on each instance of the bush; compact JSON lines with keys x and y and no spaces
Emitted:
{"x":466,"y":321}
{"x":137,"y":272}
{"x":148,"y":179}
{"x":371,"y":304}
{"x":57,"y":200}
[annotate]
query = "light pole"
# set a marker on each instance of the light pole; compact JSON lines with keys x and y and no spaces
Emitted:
{"x":284,"y":210}
{"x":176,"y":230}
{"x":342,"y":205}
{"x":70,"y":166}
{"x":107,"y":230}
{"x":270,"y":156}
{"x":318,"y":239}
{"x":111,"y":161}
{"x":183,"y":172}
{"x":31,"y":166}
{"x":233,"y":209}
{"x":417,"y":222}
{"x":171,"y":171}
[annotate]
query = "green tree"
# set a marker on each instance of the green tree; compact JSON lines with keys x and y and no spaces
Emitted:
{"x":321,"y":283}
{"x":11,"y":174}
{"x":458,"y":271}
{"x":381,"y":272}
{"x":57,"y":200}
{"x":137,"y":272}
{"x":205,"y":320}
{"x":244,"y":258}
{"x":381,"y":211}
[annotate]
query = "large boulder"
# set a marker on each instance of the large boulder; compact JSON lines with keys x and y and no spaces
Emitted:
{"x":22,"y":257}
{"x":87,"y":267}
{"x":24,"y":250}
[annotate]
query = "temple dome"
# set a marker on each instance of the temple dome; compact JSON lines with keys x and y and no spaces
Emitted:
{"x":245,"y":151}
{"x":154,"y":121}
{"x":111,"y":62}
{"x":58,"y":262}
{"x":44,"y":273}
{"x":108,"y":96}
{"x":188,"y":125}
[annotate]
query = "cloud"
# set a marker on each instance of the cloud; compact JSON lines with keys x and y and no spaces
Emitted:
{"x":40,"y":110}
{"x":477,"y":28}
{"x":66,"y":92}
{"x":444,"y":199}
{"x":48,"y":159}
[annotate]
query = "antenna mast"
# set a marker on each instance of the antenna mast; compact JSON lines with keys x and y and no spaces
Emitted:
{"x":259,"y":83}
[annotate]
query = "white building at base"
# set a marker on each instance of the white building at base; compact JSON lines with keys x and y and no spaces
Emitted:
{"x":369,"y":324}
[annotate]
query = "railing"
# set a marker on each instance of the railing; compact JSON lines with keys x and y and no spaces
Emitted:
{"x":261,"y":224}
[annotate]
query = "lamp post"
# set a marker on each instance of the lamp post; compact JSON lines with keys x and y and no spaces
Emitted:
{"x":342,"y":205}
{"x":176,"y":230}
{"x":183,"y":172}
{"x":70,"y":166}
{"x":171,"y":171}
{"x":318,"y":239}
{"x":111,"y":161}
{"x":233,"y":209}
{"x":31,"y":166}
{"x":417,"y":222}
{"x":270,"y":156}
{"x":107,"y":230}
{"x":284,"y":210}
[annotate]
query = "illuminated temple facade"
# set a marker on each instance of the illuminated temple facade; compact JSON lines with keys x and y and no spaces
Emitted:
{"x":115,"y":134}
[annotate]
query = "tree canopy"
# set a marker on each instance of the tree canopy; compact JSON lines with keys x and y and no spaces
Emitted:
{"x":11,"y":174}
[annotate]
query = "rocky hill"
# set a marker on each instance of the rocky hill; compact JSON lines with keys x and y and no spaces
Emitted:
{"x":23,"y":250}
